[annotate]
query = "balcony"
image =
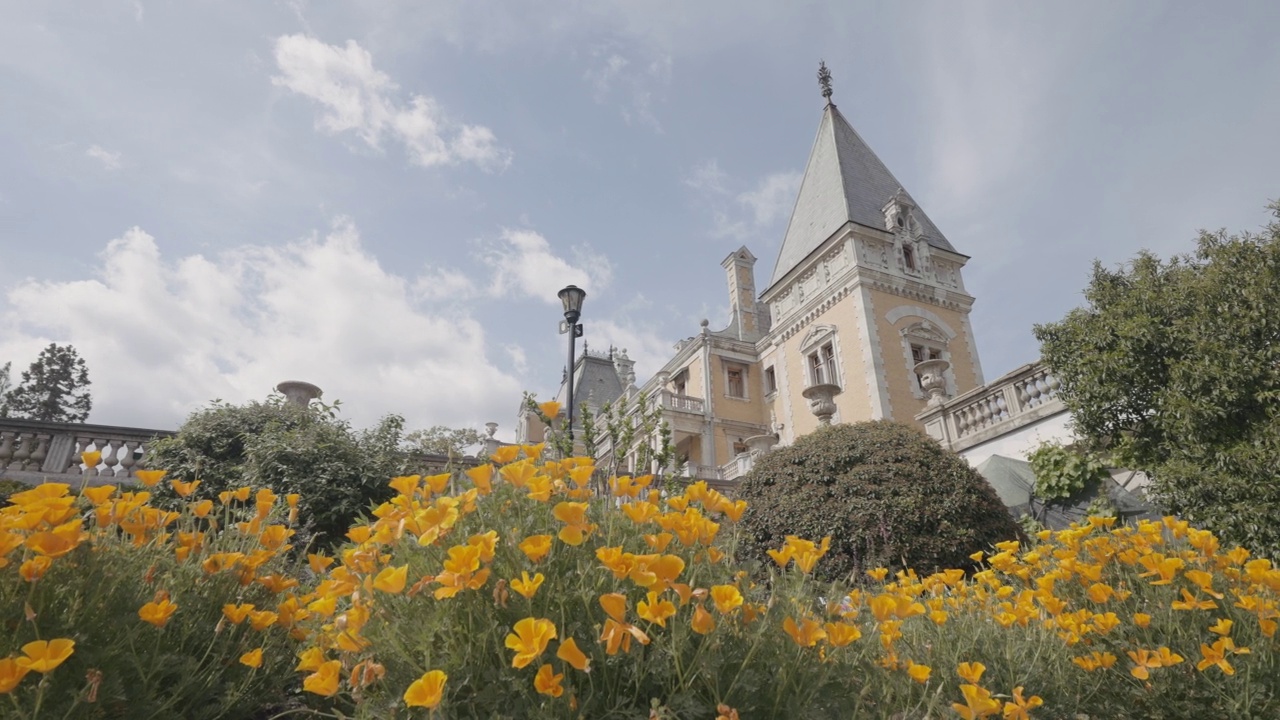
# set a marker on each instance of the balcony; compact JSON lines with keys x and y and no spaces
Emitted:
{"x":1017,"y":399}
{"x":682,"y":403}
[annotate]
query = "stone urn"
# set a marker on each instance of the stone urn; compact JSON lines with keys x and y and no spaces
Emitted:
{"x":759,"y":445}
{"x":933,"y":380}
{"x":299,"y":393}
{"x":822,"y":400}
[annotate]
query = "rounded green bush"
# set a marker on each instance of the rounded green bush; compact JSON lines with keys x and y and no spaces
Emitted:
{"x":886,"y":494}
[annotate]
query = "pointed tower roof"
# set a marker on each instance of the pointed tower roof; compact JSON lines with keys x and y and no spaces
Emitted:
{"x":843,"y":182}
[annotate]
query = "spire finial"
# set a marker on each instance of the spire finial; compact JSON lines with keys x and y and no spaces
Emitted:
{"x":824,"y":80}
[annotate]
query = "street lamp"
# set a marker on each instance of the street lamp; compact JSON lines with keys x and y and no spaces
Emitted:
{"x":571,"y":297}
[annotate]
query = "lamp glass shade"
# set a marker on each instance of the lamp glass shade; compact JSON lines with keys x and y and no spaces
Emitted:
{"x":572,"y":297}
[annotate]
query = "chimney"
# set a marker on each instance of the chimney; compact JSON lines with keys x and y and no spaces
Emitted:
{"x":740,"y":270}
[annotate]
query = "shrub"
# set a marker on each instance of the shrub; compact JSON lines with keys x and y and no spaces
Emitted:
{"x":140,"y":592}
{"x":339,"y":472}
{"x":885,"y":493}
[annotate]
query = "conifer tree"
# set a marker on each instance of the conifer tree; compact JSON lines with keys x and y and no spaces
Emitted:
{"x":54,"y":389}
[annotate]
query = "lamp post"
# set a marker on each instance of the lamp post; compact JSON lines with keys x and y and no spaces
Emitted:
{"x":571,"y":297}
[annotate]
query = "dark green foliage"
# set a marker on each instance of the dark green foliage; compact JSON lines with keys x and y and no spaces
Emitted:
{"x":443,"y":440}
{"x":339,"y":472}
{"x":1064,"y":472}
{"x":886,"y":493}
{"x":1174,"y":367}
{"x":54,"y":389}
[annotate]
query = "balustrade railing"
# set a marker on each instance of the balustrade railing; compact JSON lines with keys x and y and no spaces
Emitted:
{"x":683,"y":403}
{"x":53,"y":450}
{"x":1022,"y":396}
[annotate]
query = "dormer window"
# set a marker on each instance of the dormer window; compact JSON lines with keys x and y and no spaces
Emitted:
{"x":908,"y":257}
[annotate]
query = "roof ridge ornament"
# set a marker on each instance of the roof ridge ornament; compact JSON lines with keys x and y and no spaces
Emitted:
{"x":824,"y":80}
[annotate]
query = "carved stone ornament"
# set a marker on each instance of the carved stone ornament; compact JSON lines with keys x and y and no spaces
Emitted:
{"x":760,"y":445}
{"x":933,"y":379}
{"x":822,"y":401}
{"x":298,"y":392}
{"x":925,"y":331}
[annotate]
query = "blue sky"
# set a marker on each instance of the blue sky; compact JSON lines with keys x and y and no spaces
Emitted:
{"x":383,"y":197}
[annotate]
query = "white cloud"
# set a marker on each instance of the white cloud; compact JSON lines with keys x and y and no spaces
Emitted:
{"x":614,"y":74}
{"x":759,"y":212}
{"x":444,"y":284}
{"x":519,"y":359}
{"x":522,"y":262}
{"x":359,"y":98}
{"x":773,"y":198}
{"x":164,"y":336}
{"x":110,"y":160}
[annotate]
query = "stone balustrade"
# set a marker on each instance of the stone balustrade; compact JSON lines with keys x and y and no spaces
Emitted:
{"x":1018,"y":398}
{"x":32,"y":451}
{"x":682,"y":403}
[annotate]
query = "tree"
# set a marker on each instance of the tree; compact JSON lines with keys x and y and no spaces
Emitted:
{"x":885,"y":493}
{"x":442,"y":440}
{"x":6,"y":383}
{"x":54,"y":389}
{"x":339,"y":472}
{"x":1174,"y":368}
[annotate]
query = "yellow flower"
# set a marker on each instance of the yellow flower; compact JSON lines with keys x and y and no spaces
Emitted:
{"x":43,"y":656}
{"x":1217,"y":655}
{"x":527,"y":586}
{"x":655,"y":609}
{"x":726,"y":598}
{"x":529,"y":640}
{"x":262,"y":619}
{"x":149,"y":478}
{"x":505,"y":454}
{"x":427,"y":691}
{"x":392,"y":579}
{"x":570,"y":653}
{"x":325,"y":680}
{"x":318,"y":562}
{"x":841,"y":634}
{"x":536,"y":547}
{"x":237,"y":613}
{"x":547,"y":681}
{"x":551,"y":408}
{"x":482,"y":476}
{"x":1095,"y":660}
{"x":158,"y":613}
{"x":184,"y":489}
{"x":11,"y":673}
{"x":91,"y":458}
{"x":919,"y":673}
{"x":978,"y":703}
{"x":253,"y":658}
{"x":202,"y":508}
{"x":35,"y":568}
{"x":100,"y":494}
{"x":806,"y":634}
{"x":1141,"y":619}
{"x":971,"y":672}
{"x":1020,"y":709}
{"x":702,"y":622}
{"x":1222,"y":627}
{"x":309,"y":660}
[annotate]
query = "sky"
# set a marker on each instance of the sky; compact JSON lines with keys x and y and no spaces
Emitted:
{"x":382,"y":197}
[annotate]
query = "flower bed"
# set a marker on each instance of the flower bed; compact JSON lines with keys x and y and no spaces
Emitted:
{"x":514,"y":590}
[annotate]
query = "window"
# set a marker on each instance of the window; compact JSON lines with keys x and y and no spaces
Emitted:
{"x":680,"y":381}
{"x":770,"y":381}
{"x":736,"y":381}
{"x":909,"y":258}
{"x":822,"y":365}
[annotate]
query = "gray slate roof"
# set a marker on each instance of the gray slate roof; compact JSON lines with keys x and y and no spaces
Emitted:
{"x":843,"y":182}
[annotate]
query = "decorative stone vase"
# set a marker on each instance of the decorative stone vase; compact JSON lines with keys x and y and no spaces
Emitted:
{"x":759,"y":445}
{"x":933,"y":380}
{"x":299,"y":393}
{"x":822,"y":401}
